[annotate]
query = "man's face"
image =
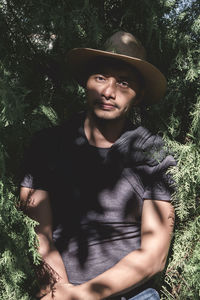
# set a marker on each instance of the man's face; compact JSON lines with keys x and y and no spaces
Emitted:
{"x":112,"y":91}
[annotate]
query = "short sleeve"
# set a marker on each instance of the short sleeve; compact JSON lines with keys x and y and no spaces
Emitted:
{"x":159,"y":184}
{"x":34,"y":172}
{"x":148,"y":156}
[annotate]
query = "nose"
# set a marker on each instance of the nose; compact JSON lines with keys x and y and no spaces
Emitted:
{"x":109,"y":89}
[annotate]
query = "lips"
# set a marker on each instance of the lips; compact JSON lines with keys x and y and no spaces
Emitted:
{"x":105,"y":105}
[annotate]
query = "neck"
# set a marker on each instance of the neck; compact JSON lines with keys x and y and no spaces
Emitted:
{"x":103,"y":133}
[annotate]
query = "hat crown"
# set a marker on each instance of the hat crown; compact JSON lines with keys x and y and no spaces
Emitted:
{"x":125,"y":43}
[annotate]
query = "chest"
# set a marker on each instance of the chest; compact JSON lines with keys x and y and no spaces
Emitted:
{"x":85,"y":187}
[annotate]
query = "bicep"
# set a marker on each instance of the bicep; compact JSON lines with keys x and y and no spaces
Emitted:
{"x":157,"y":228}
{"x":38,"y":208}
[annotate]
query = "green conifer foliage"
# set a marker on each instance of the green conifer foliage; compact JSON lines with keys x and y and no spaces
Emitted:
{"x":37,"y":91}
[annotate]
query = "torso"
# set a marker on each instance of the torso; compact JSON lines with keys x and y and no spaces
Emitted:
{"x":96,"y":208}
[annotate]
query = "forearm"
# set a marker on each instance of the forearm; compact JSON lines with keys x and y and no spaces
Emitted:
{"x":130,"y":272}
{"x":54,"y":272}
{"x":39,"y":209}
{"x":52,"y":258}
{"x":141,"y":264}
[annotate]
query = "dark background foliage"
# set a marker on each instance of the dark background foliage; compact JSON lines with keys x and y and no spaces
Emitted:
{"x":37,"y":91}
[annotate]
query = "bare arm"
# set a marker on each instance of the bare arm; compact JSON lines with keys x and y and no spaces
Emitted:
{"x":141,"y":264}
{"x":137,"y":266}
{"x":39,"y":209}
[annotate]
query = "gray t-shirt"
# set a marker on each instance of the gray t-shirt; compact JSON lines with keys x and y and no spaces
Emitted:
{"x":97,"y":194}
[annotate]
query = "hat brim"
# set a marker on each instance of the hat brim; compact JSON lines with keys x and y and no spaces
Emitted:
{"x":155,"y":82}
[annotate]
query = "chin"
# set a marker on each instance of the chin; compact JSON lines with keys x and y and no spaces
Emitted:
{"x":106,"y":115}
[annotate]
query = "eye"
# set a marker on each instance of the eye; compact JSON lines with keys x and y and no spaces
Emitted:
{"x":123,"y":84}
{"x":100,"y":78}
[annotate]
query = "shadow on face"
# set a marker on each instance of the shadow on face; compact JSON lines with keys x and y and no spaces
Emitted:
{"x":112,"y":66}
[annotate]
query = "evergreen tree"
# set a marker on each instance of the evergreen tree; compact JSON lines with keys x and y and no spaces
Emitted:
{"x":36,"y":91}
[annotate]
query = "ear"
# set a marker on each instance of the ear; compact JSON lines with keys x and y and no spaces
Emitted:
{"x":139,"y":98}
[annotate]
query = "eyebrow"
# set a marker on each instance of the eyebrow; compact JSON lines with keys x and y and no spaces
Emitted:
{"x":120,"y":77}
{"x":128,"y":79}
{"x":125,"y":78}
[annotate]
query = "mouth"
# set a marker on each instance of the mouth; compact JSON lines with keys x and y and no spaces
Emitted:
{"x":105,"y":105}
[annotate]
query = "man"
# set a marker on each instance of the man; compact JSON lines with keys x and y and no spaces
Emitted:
{"x":98,"y":185}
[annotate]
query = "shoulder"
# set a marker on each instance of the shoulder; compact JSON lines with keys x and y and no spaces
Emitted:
{"x":54,"y":135}
{"x":141,"y":147}
{"x":150,"y":147}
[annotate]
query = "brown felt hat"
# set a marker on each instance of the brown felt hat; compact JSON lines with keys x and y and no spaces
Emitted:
{"x":124,"y":47}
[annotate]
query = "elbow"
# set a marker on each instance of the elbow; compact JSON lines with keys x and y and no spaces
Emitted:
{"x":162,"y":264}
{"x":154,"y":264}
{"x":157,"y":266}
{"x":45,"y":246}
{"x":152,"y":270}
{"x":162,"y":261}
